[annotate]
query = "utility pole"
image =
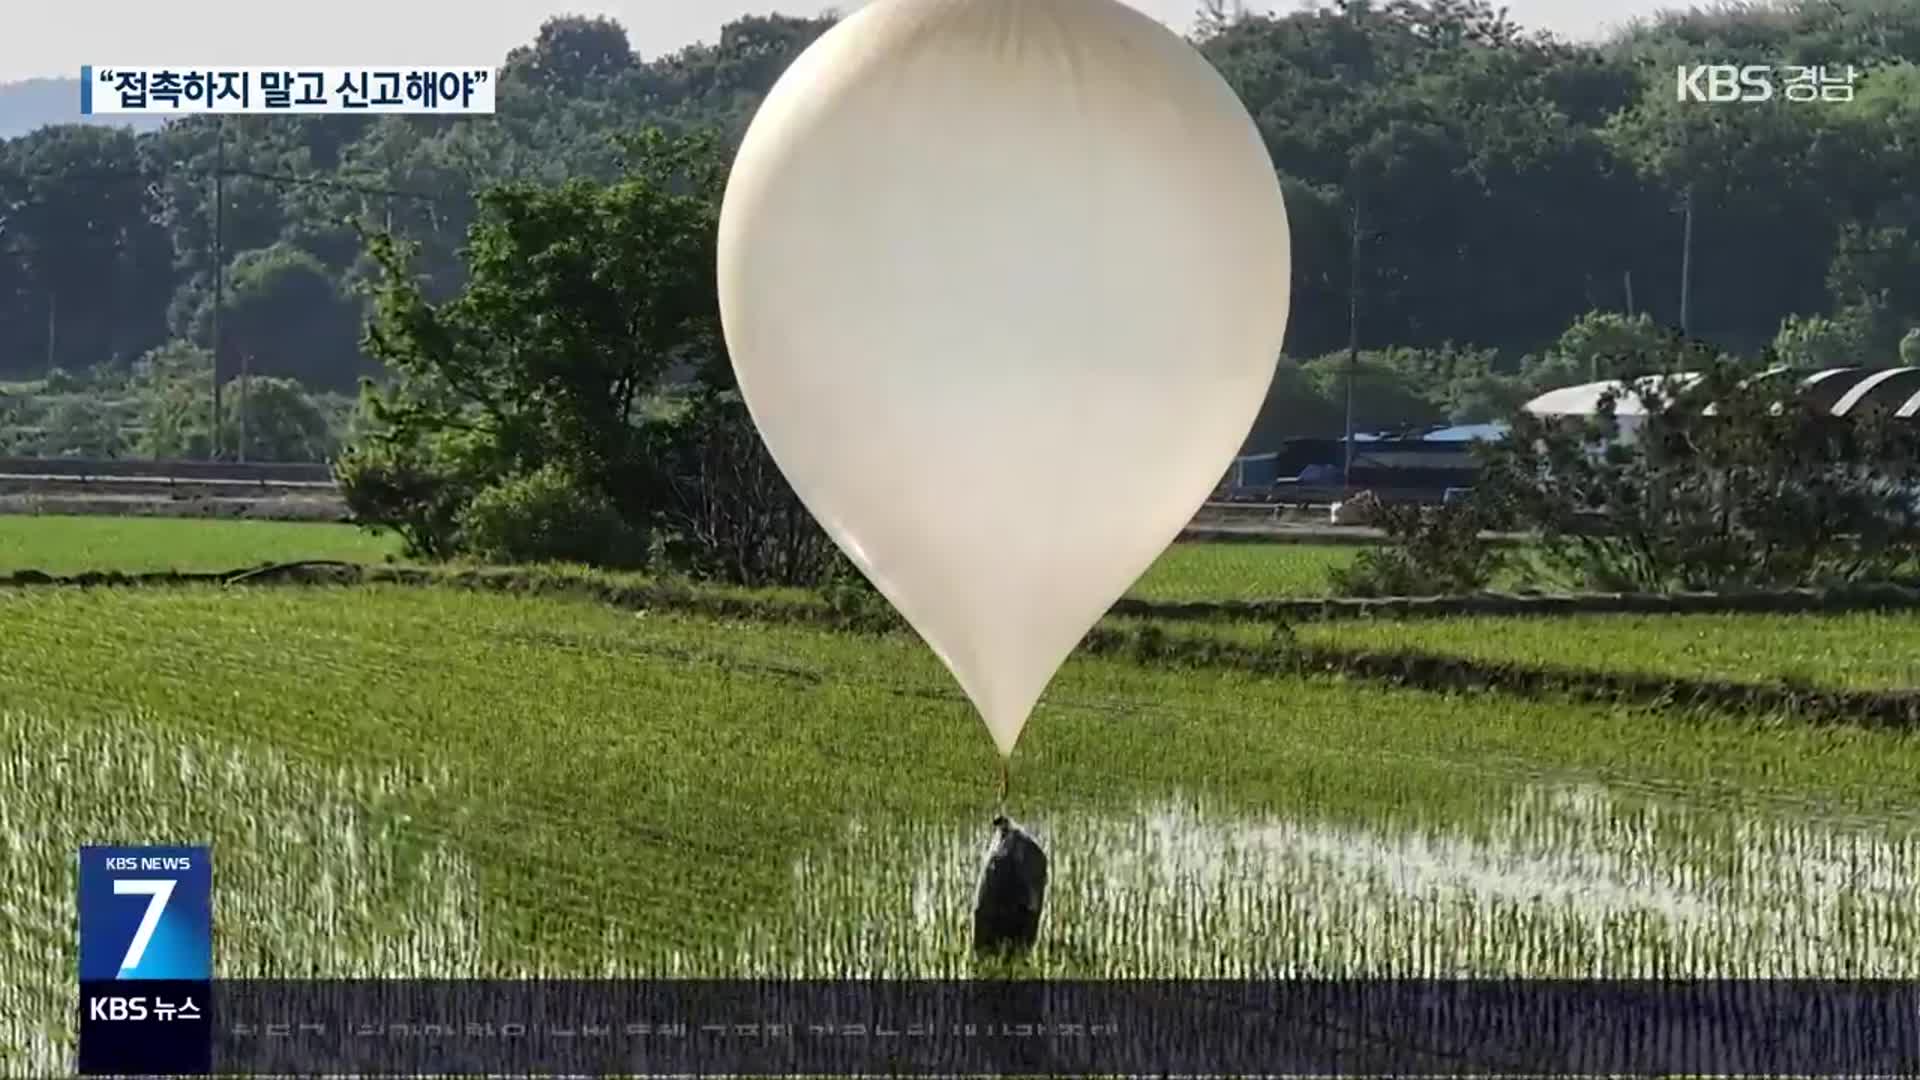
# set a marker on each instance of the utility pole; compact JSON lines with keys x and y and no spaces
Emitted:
{"x":219,"y":264}
{"x":1353,"y":345}
{"x":1686,"y":266}
{"x":246,"y":371}
{"x":1629,"y":294}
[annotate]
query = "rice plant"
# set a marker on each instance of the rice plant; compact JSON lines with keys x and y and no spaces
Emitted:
{"x":314,"y":873}
{"x":1566,"y":882}
{"x":406,"y":781}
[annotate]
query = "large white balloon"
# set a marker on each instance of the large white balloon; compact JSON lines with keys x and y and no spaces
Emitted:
{"x":1004,"y":283}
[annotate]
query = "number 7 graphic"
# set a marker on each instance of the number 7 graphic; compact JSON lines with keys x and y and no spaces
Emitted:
{"x":160,"y":890}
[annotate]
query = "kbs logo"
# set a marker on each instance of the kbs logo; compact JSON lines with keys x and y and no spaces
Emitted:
{"x":146,"y":961}
{"x":117,"y":1008}
{"x":145,"y":913}
{"x":1724,"y":82}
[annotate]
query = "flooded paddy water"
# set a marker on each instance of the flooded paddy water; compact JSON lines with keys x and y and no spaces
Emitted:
{"x":1566,"y":881}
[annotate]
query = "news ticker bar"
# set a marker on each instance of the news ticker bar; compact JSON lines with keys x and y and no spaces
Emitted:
{"x":190,"y":89}
{"x":824,"y":1028}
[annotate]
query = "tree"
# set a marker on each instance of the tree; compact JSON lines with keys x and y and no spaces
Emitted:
{"x":1608,"y":345}
{"x":88,"y":264}
{"x":1454,"y":145}
{"x":1213,"y":17}
{"x":1726,"y":482}
{"x":82,"y":427}
{"x":731,"y":514}
{"x":1429,"y":551}
{"x":1296,"y":407}
{"x":1763,"y":189}
{"x":281,"y":422}
{"x":1485,"y":398}
{"x":531,"y":406}
{"x":1876,"y":264}
{"x":571,"y":53}
{"x":1500,"y":183}
{"x":1391,"y":389}
{"x":173,"y":384}
{"x":254,"y":151}
{"x":1820,"y":341}
{"x":1877,"y":256}
{"x":546,"y":516}
{"x":577,"y":300}
{"x":285,"y":311}
{"x":419,"y":488}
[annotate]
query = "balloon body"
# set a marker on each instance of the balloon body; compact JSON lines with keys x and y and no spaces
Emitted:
{"x":1004,"y":283}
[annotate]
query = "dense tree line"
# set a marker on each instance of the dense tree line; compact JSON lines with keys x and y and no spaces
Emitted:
{"x":1462,"y":191}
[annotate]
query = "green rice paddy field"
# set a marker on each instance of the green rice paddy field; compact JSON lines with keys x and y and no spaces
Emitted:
{"x":1854,"y":651}
{"x":70,"y":545}
{"x":1864,"y":651}
{"x":66,"y":545}
{"x":427,"y":781}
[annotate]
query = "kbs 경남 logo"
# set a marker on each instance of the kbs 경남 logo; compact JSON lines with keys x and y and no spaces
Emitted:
{"x":1722,"y":83}
{"x":146,"y":913}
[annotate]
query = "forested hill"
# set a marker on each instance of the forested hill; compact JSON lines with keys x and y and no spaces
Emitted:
{"x":1501,"y":185}
{"x":32,"y":104}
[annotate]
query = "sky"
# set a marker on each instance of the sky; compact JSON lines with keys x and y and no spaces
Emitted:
{"x":52,"y":37}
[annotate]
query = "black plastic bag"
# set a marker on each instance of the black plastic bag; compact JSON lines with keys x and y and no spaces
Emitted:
{"x":1013,"y":888}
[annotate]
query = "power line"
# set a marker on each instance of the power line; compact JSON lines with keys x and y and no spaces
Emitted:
{"x":28,"y":253}
{"x":290,"y":179}
{"x":347,"y":185}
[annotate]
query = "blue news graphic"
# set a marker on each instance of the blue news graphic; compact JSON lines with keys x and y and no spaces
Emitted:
{"x":146,"y":913}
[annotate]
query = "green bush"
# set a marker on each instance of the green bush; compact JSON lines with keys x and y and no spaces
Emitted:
{"x":1824,"y":341}
{"x":61,"y":381}
{"x":1430,"y":551}
{"x":563,"y":367}
{"x":1605,"y":345}
{"x":173,"y":386}
{"x":414,"y":489}
{"x":82,"y":427}
{"x":730,"y":515}
{"x":547,"y":516}
{"x":282,"y":421}
{"x":1725,"y":483}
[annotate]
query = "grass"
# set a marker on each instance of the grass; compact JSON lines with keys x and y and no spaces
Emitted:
{"x":60,"y":544}
{"x":71,"y":544}
{"x":1188,"y":572}
{"x":322,"y":880}
{"x":1860,"y":651}
{"x":432,"y":781}
{"x":424,"y":781}
{"x":1264,"y":571}
{"x":661,"y":776}
{"x":1241,"y":571}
